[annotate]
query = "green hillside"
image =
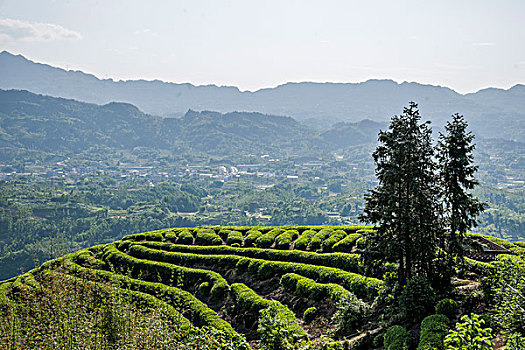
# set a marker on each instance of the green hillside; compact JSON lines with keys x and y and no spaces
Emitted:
{"x":75,"y":174}
{"x":258,"y":287}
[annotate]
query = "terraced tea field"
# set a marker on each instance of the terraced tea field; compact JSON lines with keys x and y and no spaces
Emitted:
{"x":230,"y":278}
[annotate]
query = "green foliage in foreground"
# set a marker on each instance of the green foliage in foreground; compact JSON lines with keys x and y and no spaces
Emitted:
{"x":289,"y":330}
{"x":64,"y":312}
{"x":510,"y":294}
{"x":275,"y":331}
{"x":469,"y":335}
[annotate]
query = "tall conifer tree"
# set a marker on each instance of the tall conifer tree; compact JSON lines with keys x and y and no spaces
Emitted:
{"x":404,"y":206}
{"x":457,"y":181}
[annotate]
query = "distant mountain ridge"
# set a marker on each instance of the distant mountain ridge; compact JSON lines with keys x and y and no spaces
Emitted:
{"x":491,"y":112}
{"x":54,"y":125}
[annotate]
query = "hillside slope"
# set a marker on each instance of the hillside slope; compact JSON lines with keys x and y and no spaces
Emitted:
{"x":298,"y":280}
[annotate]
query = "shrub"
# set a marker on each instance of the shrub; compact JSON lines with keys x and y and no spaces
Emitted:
{"x":207,"y":237}
{"x":145,"y":236}
{"x":520,"y":244}
{"x":307,"y":287}
{"x":223,"y":233}
{"x":267,"y":239}
{"x":349,"y":313}
{"x":264,"y":241}
{"x":378,"y":340}
{"x":347,"y":243}
{"x":358,"y":284}
{"x":344,"y":261}
{"x":277,"y":329}
{"x":361,"y":243}
{"x":251,"y":237}
{"x":275,"y":232}
{"x":309,"y":314}
{"x":434,"y":328}
{"x":278,"y":326}
{"x":469,"y":335}
{"x":170,"y":236}
{"x":417,"y":298}
{"x":289,"y":280}
{"x":479,"y":267}
{"x":161,"y":271}
{"x":335,"y":237}
{"x":234,"y":237}
{"x":510,"y":293}
{"x":447,"y":307}
{"x":198,"y":313}
{"x":66,"y":312}
{"x":302,"y":242}
{"x":317,"y":240}
{"x":489,"y":322}
{"x":515,"y":341}
{"x":185,"y":237}
{"x":283,"y":241}
{"x":396,"y":338}
{"x":293,"y":233}
{"x":203,"y":289}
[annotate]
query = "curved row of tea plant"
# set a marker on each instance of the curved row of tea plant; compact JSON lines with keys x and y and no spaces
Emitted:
{"x":360,"y":285}
{"x":343,"y":261}
{"x":198,"y":313}
{"x":247,"y":300}
{"x":195,"y":279}
{"x":314,"y":238}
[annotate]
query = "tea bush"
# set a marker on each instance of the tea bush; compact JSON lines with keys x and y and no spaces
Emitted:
{"x":434,"y":328}
{"x":347,"y":243}
{"x":251,"y":237}
{"x":304,"y":240}
{"x":396,"y":338}
{"x":207,"y":237}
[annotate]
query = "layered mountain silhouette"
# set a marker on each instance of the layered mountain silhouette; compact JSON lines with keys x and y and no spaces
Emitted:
{"x":30,"y":121}
{"x":494,"y":113}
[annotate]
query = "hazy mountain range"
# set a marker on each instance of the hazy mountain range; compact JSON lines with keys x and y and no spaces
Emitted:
{"x":494,"y":113}
{"x":33,"y":122}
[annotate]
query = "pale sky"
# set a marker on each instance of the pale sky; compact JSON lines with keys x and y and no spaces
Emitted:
{"x":465,"y":45}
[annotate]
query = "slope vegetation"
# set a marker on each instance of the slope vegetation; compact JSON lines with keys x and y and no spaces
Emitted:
{"x":241,"y":281}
